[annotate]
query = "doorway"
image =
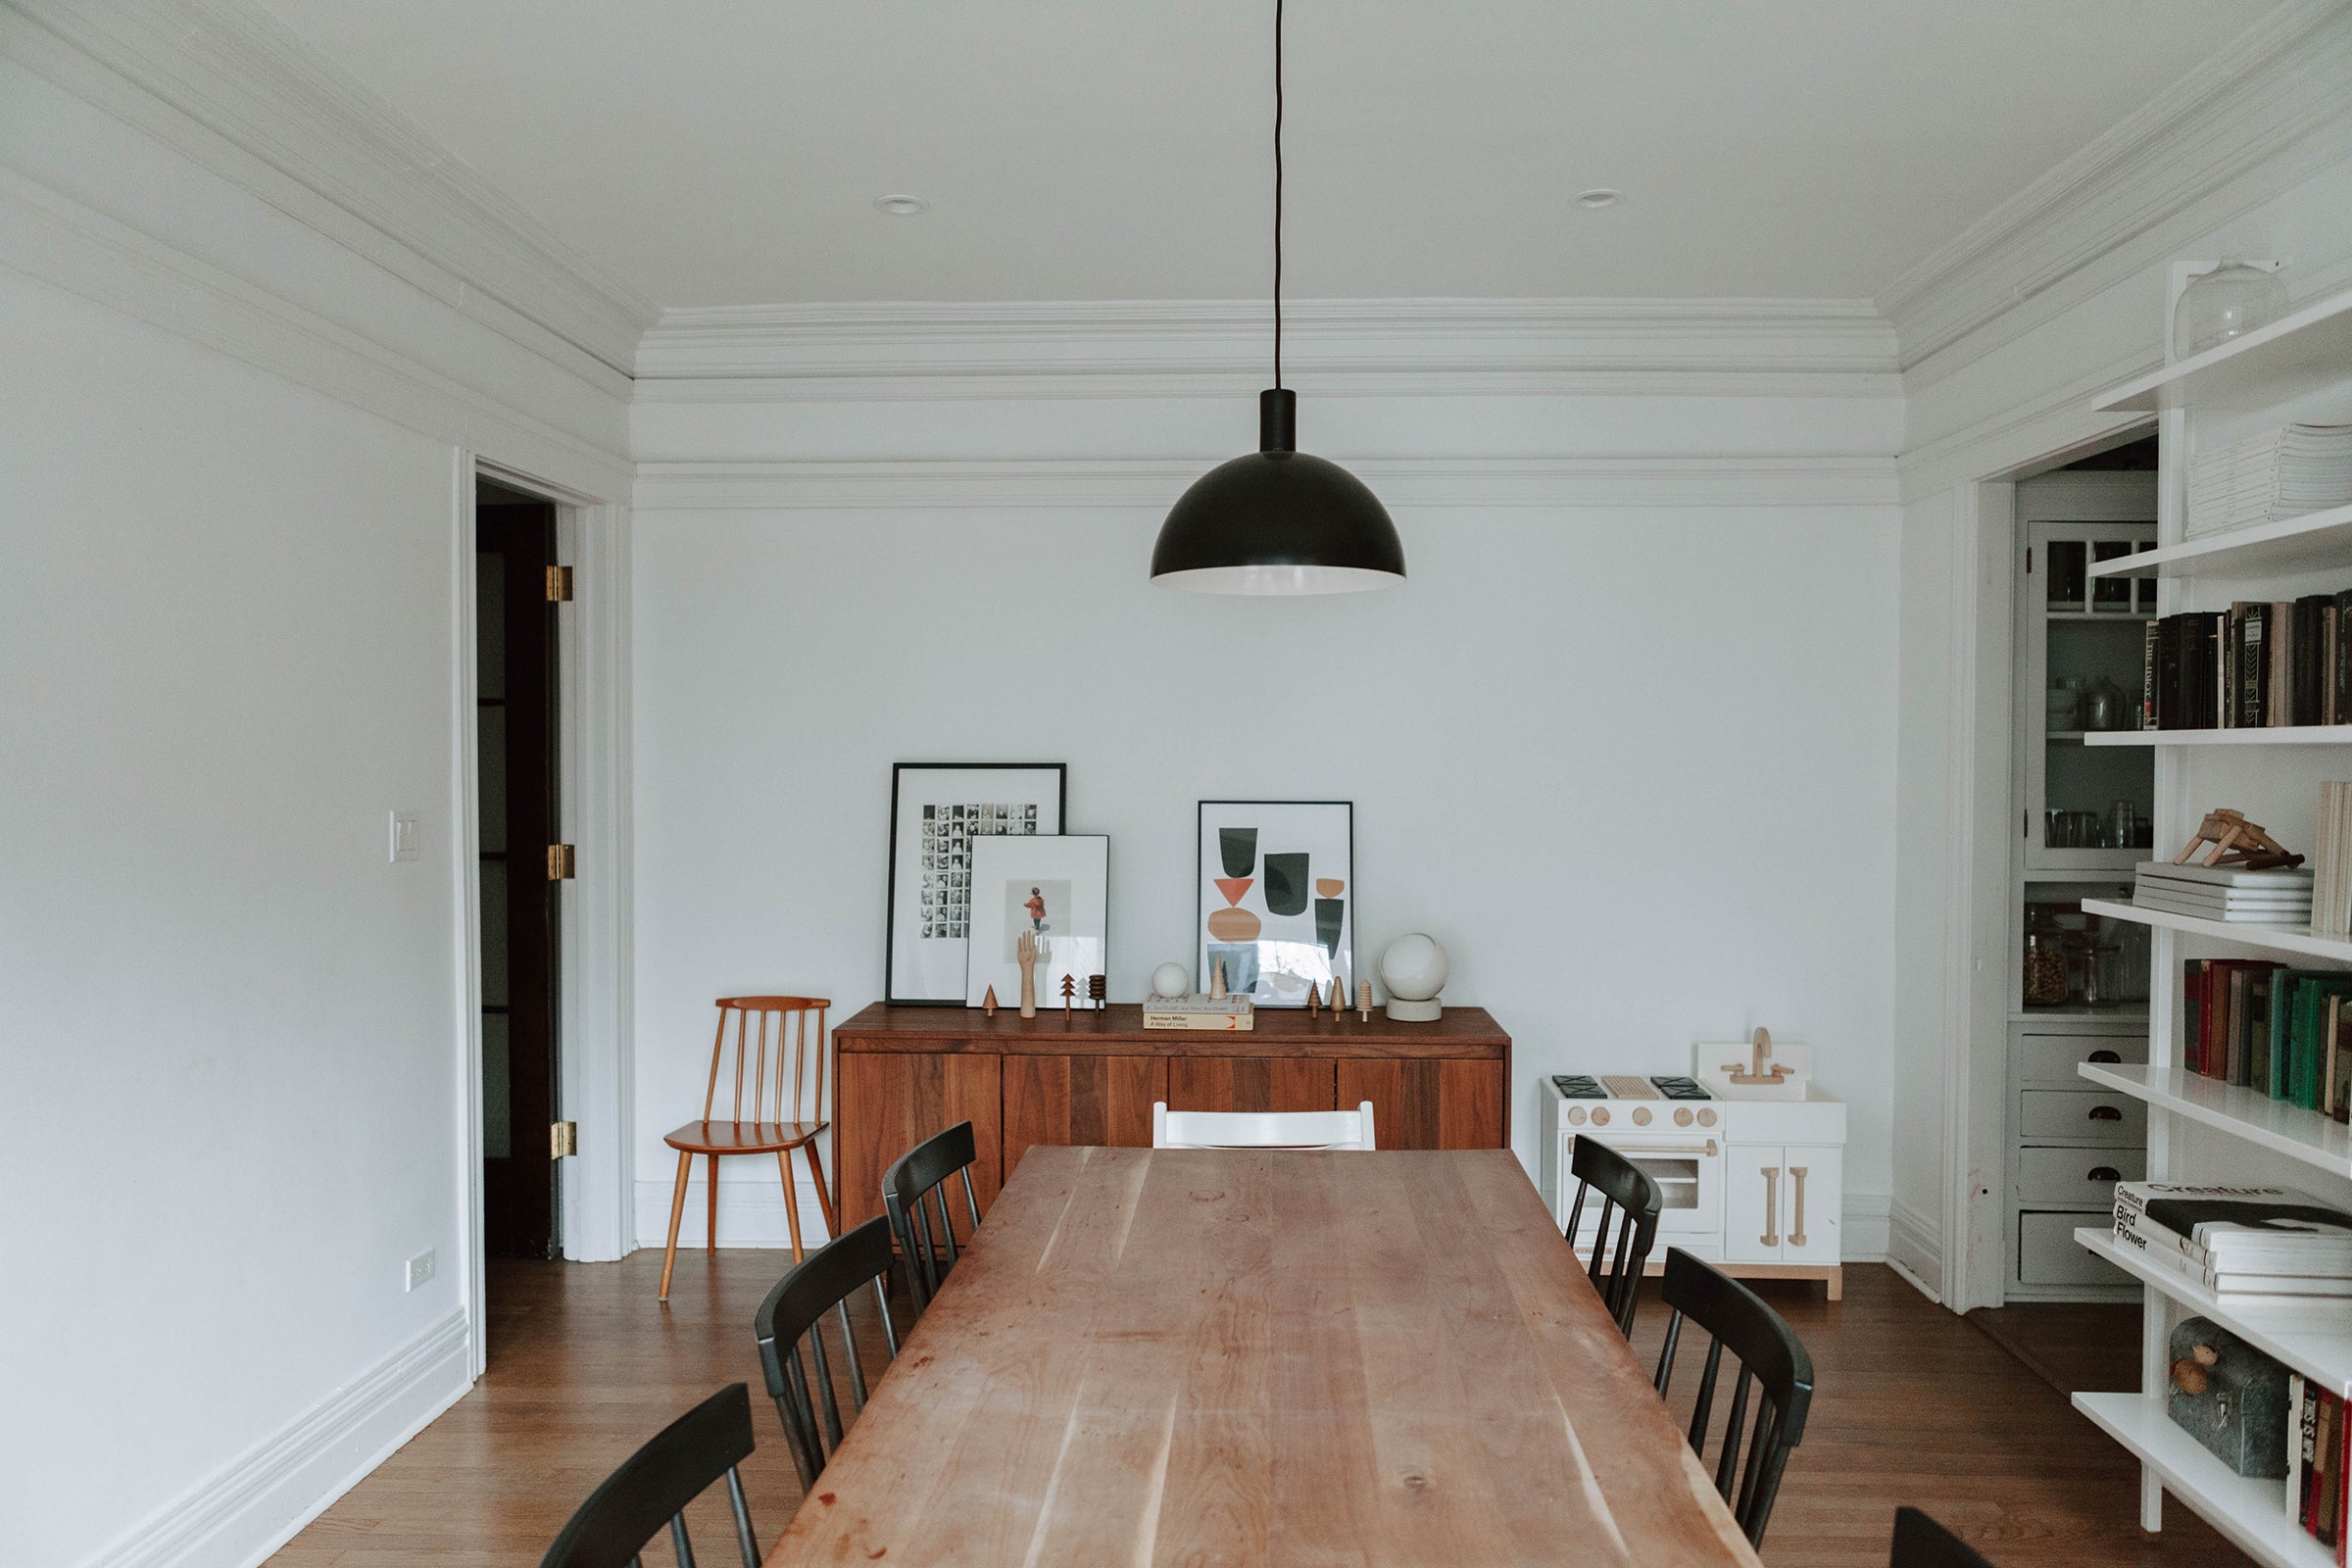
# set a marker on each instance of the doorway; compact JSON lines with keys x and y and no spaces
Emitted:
{"x":517,"y":711}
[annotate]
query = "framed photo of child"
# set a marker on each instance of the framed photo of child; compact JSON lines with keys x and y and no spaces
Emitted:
{"x":1055,"y":890}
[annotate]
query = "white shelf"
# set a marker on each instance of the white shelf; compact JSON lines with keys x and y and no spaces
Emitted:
{"x":2248,"y":1114}
{"x":2075,"y":617}
{"x":2246,"y":933}
{"x":2311,"y":1335}
{"x":2251,"y":1512}
{"x":2301,"y":352}
{"x":2291,"y":544}
{"x":2260,"y":735}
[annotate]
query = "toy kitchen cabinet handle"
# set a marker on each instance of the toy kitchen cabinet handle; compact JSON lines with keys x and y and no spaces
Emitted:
{"x":1797,"y":1183}
{"x":1772,"y":1206}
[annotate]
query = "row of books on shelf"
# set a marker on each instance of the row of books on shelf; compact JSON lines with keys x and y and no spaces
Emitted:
{"x":2286,"y":472}
{"x":2257,"y":664}
{"x":2284,"y":1033}
{"x":2243,"y":1243}
{"x":2319,"y":1456}
{"x":2331,"y":863}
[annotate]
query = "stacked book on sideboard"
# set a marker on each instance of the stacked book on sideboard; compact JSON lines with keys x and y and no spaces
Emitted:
{"x":2283,"y":1033}
{"x":2279,"y":473}
{"x":2257,"y":664}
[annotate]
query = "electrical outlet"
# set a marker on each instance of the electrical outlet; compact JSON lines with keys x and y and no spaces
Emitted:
{"x":404,"y":836}
{"x":420,"y":1268}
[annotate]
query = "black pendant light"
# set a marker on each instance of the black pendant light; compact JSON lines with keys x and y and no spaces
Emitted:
{"x":1278,"y":522}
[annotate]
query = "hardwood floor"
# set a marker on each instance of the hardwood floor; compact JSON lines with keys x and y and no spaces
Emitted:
{"x":1913,"y":1404}
{"x":2076,"y":1347}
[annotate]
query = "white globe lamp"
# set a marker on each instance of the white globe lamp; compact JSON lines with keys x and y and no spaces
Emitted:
{"x":1414,"y":969}
{"x":1171,"y":980}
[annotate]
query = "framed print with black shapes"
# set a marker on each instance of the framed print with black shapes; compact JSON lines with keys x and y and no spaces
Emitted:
{"x":1276,"y":904}
{"x":937,"y":809}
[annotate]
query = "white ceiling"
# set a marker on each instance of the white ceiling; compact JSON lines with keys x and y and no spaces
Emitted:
{"x":715,"y":152}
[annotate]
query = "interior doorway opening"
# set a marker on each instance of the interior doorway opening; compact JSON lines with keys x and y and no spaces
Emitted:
{"x":518,"y":587}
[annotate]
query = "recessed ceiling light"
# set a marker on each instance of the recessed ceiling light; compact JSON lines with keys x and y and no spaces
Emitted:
{"x":902,"y":206}
{"x":1599,"y":197}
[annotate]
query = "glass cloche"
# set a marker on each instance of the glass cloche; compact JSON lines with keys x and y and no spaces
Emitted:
{"x":2230,"y":301}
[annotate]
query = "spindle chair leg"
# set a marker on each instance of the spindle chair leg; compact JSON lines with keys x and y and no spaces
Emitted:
{"x":824,"y":1199}
{"x":677,"y":1212}
{"x":792,"y":1202}
{"x":711,"y":1235}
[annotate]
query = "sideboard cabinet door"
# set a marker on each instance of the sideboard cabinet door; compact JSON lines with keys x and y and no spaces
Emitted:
{"x":1251,"y":1083}
{"x":892,"y":1100}
{"x":1080,"y":1099}
{"x":1429,"y":1103}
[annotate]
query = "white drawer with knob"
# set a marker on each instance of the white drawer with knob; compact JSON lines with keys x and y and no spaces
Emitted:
{"x":2083,"y":1116}
{"x":2053,"y":1059}
{"x":2076,"y":1176}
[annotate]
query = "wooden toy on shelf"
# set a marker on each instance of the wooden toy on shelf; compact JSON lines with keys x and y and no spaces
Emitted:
{"x":2237,"y":842}
{"x":1069,"y":992}
{"x":1363,"y":1000}
{"x":1337,"y":1002}
{"x":1024,"y":953}
{"x":1216,"y":980}
{"x":1314,"y":1001}
{"x":988,"y":1004}
{"x":1098,"y":991}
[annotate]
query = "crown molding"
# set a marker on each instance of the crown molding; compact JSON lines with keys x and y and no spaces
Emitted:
{"x":225,"y":85}
{"x":1160,"y":348}
{"x":2102,"y":214}
{"x":1154,"y":483}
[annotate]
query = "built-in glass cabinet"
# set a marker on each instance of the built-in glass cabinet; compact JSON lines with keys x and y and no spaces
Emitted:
{"x":2081,"y":671}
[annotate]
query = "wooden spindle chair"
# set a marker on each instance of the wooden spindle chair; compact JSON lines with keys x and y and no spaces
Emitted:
{"x":1628,"y":1194}
{"x":1920,"y":1543}
{"x":793,"y":1315}
{"x":785,"y":1072}
{"x":654,"y":1486}
{"x":919,"y":1173}
{"x":1771,"y":1357}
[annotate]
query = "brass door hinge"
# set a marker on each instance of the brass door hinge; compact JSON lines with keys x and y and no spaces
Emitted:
{"x":559,"y":585}
{"x":562,"y":1138}
{"x":560,"y":862}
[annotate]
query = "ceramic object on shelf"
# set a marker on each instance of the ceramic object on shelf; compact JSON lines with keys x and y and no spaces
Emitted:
{"x":2230,"y":301}
{"x":2103,"y":706}
{"x":1414,"y":968}
{"x":2063,"y":712}
{"x":1171,"y":980}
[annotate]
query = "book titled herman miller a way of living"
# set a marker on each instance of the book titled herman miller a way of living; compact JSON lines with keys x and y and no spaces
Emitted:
{"x":2239,"y":1242}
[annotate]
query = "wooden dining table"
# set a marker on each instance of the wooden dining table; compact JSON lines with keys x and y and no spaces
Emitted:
{"x":1240,"y":1357}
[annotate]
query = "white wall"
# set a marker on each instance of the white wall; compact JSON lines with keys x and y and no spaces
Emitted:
{"x":1633,"y":763}
{"x":231,"y":422}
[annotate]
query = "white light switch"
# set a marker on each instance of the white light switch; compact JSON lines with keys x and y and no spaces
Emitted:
{"x":404,"y":835}
{"x":420,"y":1268}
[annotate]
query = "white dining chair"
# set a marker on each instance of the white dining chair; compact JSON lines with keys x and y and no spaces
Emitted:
{"x":1261,"y":1129}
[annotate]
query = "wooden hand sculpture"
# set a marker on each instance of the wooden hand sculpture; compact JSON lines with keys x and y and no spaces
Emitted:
{"x":1024,"y":953}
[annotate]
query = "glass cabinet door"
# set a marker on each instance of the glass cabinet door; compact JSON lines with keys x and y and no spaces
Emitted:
{"x":2084,"y":638}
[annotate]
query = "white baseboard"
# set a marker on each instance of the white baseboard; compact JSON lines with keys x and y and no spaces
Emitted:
{"x":751,"y":1212}
{"x":1913,"y":1251}
{"x":1864,"y":1218}
{"x":240,"y":1515}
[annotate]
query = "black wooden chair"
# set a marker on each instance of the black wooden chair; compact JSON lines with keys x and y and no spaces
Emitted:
{"x":1920,"y":1543}
{"x":794,"y":1313}
{"x":922,"y":1173}
{"x":1629,"y":1195}
{"x":1770,"y":1356}
{"x":654,"y":1486}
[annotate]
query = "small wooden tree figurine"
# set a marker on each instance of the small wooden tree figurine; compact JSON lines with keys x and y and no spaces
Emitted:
{"x":988,"y":1004}
{"x":1098,"y":991}
{"x":1069,"y":989}
{"x":1363,"y":1000}
{"x":1314,"y":1000}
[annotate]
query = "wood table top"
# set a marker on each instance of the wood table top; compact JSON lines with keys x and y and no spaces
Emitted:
{"x":1238,"y":1357}
{"x":1118,"y":1030}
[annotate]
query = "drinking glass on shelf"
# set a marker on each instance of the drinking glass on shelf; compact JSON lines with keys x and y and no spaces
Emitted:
{"x":2122,"y":825}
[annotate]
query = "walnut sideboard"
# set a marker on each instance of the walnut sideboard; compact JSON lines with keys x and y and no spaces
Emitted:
{"x":906,"y":1074}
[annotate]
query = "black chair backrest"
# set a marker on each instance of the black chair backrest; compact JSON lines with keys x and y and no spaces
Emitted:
{"x":922,"y":1172}
{"x":1920,"y":1543}
{"x":1627,"y":1193}
{"x":654,"y":1486}
{"x":794,"y":1313}
{"x":1770,"y":1356}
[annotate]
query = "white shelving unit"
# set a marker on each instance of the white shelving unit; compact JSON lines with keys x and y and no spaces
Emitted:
{"x":2200,"y":1128}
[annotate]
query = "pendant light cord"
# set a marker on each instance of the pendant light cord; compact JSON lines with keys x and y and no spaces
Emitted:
{"x":1278,"y":194}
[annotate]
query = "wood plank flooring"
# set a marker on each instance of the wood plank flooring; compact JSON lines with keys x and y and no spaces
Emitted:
{"x":1913,"y":1406}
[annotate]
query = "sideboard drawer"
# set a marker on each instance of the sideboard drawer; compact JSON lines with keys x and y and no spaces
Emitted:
{"x":2084,"y":1176}
{"x":2053,"y":1059}
{"x":2047,"y":1253}
{"x":2081,"y":1116}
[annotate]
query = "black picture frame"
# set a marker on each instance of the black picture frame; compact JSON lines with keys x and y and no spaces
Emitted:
{"x":1343,"y":957}
{"x":897,"y":922}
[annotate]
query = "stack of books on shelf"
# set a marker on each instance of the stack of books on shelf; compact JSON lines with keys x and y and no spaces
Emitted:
{"x":2331,"y":865}
{"x":2279,"y":473}
{"x":2224,"y":892}
{"x":2254,"y":666}
{"x":2283,"y":1033}
{"x":1228,"y":1014}
{"x":2317,"y":1448}
{"x":2245,"y":1244}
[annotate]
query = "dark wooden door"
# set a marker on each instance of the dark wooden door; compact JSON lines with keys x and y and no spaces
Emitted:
{"x":518,"y":708}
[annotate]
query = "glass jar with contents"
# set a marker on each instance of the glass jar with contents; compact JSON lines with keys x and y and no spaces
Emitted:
{"x":2045,"y":969}
{"x":2103,"y":706}
{"x":2065,"y":709}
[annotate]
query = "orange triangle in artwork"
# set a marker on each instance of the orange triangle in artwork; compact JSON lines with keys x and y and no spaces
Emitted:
{"x":1233,"y":886}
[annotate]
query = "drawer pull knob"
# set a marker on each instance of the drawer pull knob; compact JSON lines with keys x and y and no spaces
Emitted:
{"x":2105,"y":1114}
{"x":2103,"y":1055}
{"x":2104,"y":1173}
